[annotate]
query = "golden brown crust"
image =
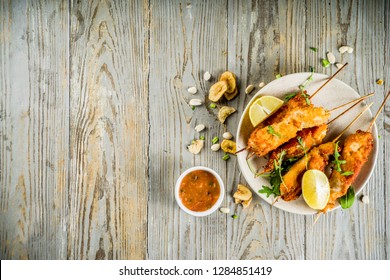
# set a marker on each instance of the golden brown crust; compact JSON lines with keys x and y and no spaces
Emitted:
{"x":311,"y":137}
{"x":356,"y":150}
{"x":317,"y":158}
{"x":261,"y":141}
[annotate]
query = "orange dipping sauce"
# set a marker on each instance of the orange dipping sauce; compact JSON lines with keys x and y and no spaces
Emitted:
{"x":199,"y":190}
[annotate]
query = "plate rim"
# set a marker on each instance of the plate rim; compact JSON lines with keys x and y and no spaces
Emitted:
{"x":316,"y":76}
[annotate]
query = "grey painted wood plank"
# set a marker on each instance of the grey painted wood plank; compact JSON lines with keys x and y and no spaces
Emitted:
{"x":34,"y":107}
{"x":263,"y":44}
{"x":186,"y":39}
{"x":357,"y":233}
{"x":108,"y":130}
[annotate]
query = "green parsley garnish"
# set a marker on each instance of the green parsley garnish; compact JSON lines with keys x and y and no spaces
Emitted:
{"x":347,"y":173}
{"x":213,"y":106}
{"x":234,"y":216}
{"x":336,"y":160}
{"x":271,"y":130}
{"x":290,"y":96}
{"x":226,"y":157}
{"x":193,"y":108}
{"x":346,"y":201}
{"x":313,"y":49}
{"x":325,"y":63}
{"x":305,"y":83}
{"x":306,"y":96}
{"x":275,"y":177}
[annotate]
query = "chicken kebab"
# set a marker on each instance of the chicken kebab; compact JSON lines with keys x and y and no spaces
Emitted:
{"x":317,"y":158}
{"x":355,"y":153}
{"x":296,"y":114}
{"x":306,"y":139}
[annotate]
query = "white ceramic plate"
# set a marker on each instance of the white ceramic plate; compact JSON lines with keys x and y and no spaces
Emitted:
{"x":333,"y":94}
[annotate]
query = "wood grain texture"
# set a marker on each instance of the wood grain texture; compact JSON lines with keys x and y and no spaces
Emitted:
{"x":34,"y":129}
{"x":192,"y":41}
{"x":108,"y":130}
{"x":261,"y":39}
{"x":357,"y":233}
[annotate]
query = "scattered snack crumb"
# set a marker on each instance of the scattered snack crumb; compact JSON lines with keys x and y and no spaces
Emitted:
{"x":225,"y":112}
{"x":200,"y":127}
{"x":227,"y":135}
{"x":192,"y":90}
{"x":206,"y":76}
{"x":224,"y":210}
{"x":215,"y":147}
{"x":249,"y":89}
{"x":331,"y":57}
{"x":196,"y":146}
{"x":379,"y":82}
{"x":195,"y":102}
{"x":365,"y":199}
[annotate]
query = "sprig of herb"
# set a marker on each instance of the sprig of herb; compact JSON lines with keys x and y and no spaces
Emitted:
{"x":306,"y":82}
{"x":306,"y":96}
{"x":336,"y":160}
{"x":325,"y":63}
{"x":271,"y":131}
{"x":275,"y":177}
{"x":289,"y":96}
{"x":347,"y":200}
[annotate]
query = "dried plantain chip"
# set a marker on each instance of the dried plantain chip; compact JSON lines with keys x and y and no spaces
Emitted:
{"x":230,"y":78}
{"x":225,"y":112}
{"x":245,"y":203}
{"x":217,"y":90}
{"x":230,"y":96}
{"x":242,"y":193}
{"x":196,"y":147}
{"x":228,"y":146}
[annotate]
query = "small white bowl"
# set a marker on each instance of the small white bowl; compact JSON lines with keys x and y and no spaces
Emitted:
{"x":214,"y":207}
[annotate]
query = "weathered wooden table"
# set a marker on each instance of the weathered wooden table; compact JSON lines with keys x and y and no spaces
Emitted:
{"x":95,"y":122}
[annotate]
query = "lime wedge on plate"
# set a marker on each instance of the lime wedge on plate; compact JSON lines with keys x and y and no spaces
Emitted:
{"x":315,"y":189}
{"x":262,"y":108}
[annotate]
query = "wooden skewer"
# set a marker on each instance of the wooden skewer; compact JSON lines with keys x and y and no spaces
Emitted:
{"x":239,"y":151}
{"x":361,"y":100}
{"x":317,"y":217}
{"x":348,"y":126}
{"x":250,"y":155}
{"x":334,"y":75}
{"x":379,"y":110}
{"x":350,"y":102}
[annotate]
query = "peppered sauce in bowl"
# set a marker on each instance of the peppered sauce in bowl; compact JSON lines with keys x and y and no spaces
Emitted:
{"x":199,"y":191}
